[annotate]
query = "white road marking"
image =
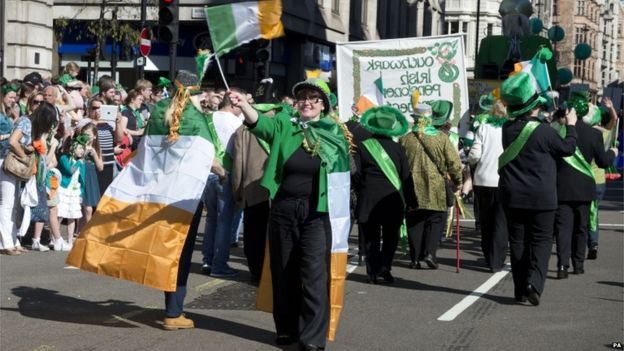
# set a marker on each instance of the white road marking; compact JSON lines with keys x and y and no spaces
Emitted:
{"x":351,"y":268}
{"x":474,"y":296}
{"x":606,"y":225}
{"x":70,"y":267}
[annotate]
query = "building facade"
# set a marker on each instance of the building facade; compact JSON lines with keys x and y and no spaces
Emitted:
{"x":26,"y":37}
{"x":460,"y":16}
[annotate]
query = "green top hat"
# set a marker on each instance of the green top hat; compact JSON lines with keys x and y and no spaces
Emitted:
{"x":580,"y":103}
{"x":440,"y":111}
{"x":384,"y":120}
{"x":318,"y":85}
{"x":519,"y":94}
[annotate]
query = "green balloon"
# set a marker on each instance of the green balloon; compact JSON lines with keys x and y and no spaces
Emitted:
{"x":536,"y":25}
{"x":582,"y":51}
{"x":565,"y":75}
{"x":556,"y":33}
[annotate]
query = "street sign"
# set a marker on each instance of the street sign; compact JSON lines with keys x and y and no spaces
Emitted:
{"x":140,"y":61}
{"x":145,"y":42}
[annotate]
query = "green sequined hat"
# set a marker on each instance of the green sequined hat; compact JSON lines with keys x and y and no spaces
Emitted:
{"x":318,"y":85}
{"x":519,"y":93}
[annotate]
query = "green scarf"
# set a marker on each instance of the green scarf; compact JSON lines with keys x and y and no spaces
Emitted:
{"x":578,"y":162}
{"x":327,"y":132}
{"x":516,"y":146}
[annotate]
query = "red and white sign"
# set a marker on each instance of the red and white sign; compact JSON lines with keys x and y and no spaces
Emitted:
{"x":145,"y":42}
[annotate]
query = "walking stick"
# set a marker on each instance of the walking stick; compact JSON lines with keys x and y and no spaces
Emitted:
{"x":457,"y":232}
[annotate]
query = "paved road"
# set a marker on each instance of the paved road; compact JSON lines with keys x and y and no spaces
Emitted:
{"x":46,"y":306}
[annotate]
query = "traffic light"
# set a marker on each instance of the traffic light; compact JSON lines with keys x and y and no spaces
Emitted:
{"x":263,"y":51}
{"x":240,"y":66}
{"x":168,"y":24}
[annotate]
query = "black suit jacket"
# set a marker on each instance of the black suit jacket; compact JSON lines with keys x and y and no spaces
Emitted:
{"x":374,"y":189}
{"x":529,"y":181}
{"x":572,"y":185}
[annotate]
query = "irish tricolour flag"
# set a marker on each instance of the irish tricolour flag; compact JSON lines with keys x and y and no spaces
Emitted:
{"x":537,"y":69}
{"x":141,"y":222}
{"x":235,"y":24}
{"x":371,"y":97}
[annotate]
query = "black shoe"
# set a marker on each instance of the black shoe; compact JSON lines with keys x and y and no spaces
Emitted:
{"x":285,"y":339}
{"x":579,"y":270}
{"x":430,"y":261}
{"x":387,"y":276}
{"x":592,"y":254}
{"x":415,"y":265}
{"x":206,"y":269}
{"x":562,"y":272}
{"x":310,"y":347}
{"x":371,"y":279}
{"x":532,"y":295}
{"x":522,"y":298}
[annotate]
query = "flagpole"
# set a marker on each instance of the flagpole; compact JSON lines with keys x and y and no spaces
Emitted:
{"x":221,"y":71}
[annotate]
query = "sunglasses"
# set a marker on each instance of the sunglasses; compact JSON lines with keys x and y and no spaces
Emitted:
{"x":37,"y":102}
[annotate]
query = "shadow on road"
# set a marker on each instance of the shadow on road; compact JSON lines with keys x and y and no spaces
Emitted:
{"x":48,"y":304}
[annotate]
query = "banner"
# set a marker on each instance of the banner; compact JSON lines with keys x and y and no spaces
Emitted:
{"x":433,"y":65}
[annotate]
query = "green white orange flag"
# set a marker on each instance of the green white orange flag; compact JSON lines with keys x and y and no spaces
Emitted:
{"x":371,"y":97}
{"x":233,"y":25}
{"x":141,"y":222}
{"x":537,"y":69}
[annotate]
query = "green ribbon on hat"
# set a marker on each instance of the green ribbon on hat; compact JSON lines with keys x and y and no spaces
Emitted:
{"x":578,"y":162}
{"x":64,"y":79}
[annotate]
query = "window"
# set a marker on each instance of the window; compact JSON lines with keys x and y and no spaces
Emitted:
{"x":555,"y":7}
{"x":619,"y":49}
{"x":454,"y":27}
{"x":336,"y":6}
{"x":577,"y":68}
{"x":465,"y":27}
{"x":580,"y":8}
{"x":490,"y":28}
{"x":364,"y":11}
{"x":578,"y":35}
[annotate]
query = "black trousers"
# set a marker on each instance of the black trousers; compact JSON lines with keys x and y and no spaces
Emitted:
{"x":255,"y":222}
{"x":571,"y":222}
{"x":424,"y":230}
{"x":379,"y":257}
{"x":494,"y":237}
{"x":300,"y":247}
{"x":530,"y":242}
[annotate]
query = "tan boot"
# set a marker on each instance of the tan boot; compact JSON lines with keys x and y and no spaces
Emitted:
{"x":179,"y":322}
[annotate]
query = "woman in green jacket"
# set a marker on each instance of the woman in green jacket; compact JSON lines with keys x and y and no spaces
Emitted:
{"x":308,"y":160}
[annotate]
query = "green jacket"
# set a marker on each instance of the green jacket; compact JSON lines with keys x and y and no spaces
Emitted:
{"x":285,"y":137}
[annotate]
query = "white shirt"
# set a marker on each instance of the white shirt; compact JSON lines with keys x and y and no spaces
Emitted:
{"x":226,"y":124}
{"x":487,"y":147}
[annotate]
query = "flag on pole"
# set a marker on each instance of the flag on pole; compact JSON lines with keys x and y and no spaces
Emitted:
{"x":141,"y":222}
{"x":537,"y":70}
{"x":371,"y":97}
{"x":233,"y":25}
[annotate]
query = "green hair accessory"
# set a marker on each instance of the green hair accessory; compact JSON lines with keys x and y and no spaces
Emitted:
{"x":11,"y":87}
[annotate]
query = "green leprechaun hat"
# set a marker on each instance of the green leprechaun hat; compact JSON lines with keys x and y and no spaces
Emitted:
{"x":384,"y":120}
{"x":519,"y":93}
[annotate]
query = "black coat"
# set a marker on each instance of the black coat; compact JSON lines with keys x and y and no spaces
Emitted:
{"x":376,"y":195}
{"x":572,"y":185}
{"x":529,"y":181}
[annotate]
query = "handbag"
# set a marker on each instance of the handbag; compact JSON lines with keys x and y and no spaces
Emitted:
{"x":20,"y":168}
{"x":448,"y":185}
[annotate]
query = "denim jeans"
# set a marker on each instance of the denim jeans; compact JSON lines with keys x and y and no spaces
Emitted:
{"x":174,"y":301}
{"x":592,"y":237}
{"x":220,"y":205}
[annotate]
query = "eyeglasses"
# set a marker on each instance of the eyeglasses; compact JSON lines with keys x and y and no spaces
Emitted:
{"x":310,"y":100}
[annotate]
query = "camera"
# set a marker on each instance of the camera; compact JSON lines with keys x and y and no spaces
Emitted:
{"x":561,"y":111}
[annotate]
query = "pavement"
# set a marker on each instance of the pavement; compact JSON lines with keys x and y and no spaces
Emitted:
{"x":45,"y":305}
